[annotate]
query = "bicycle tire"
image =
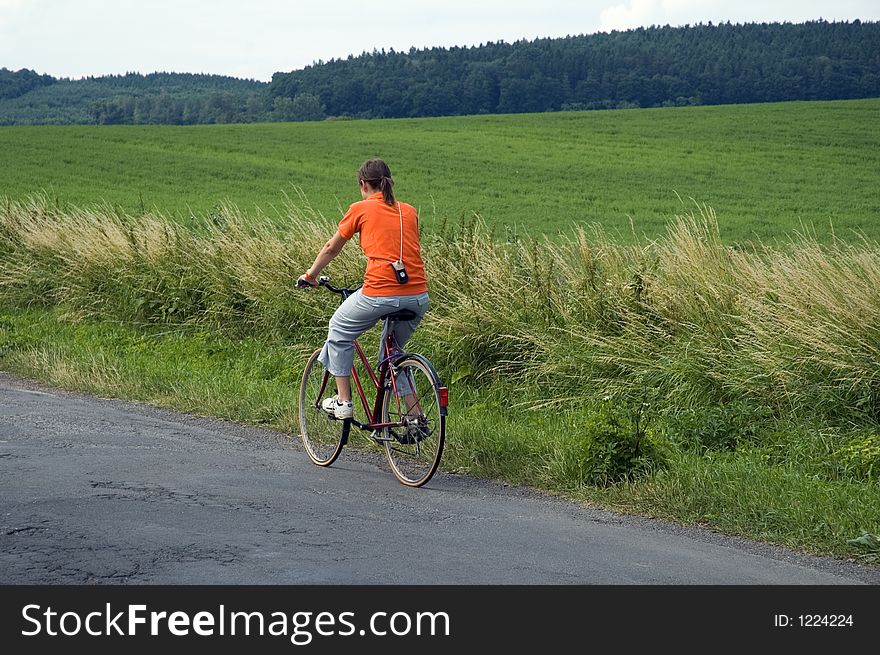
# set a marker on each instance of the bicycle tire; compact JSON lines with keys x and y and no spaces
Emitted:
{"x":414,"y":452}
{"x":322,"y":436}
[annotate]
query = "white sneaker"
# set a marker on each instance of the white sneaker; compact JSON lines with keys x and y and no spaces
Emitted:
{"x":341,"y":410}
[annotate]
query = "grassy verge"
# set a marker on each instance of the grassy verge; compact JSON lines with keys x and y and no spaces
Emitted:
{"x":190,"y":371}
{"x":810,"y":487}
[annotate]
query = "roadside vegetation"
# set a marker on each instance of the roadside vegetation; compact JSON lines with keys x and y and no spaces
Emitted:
{"x":736,"y":386}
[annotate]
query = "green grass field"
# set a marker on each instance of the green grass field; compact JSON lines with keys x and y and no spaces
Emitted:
{"x":767,"y":170}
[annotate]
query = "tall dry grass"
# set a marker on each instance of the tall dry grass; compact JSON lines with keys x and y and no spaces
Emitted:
{"x":679,"y":322}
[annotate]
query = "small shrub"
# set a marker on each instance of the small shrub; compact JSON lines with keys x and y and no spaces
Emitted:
{"x":605,"y":447}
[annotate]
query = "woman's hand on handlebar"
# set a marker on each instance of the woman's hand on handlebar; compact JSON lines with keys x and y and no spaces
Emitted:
{"x":306,"y":281}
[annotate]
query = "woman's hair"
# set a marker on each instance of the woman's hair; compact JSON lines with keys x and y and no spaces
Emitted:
{"x":376,"y":173}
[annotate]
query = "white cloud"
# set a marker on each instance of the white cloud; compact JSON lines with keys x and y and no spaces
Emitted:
{"x":638,"y":13}
{"x":622,"y":17}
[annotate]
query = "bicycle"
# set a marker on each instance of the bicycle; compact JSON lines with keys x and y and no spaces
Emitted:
{"x":408,"y":416}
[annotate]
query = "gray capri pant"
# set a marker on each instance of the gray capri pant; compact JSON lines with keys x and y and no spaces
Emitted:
{"x":357,"y":314}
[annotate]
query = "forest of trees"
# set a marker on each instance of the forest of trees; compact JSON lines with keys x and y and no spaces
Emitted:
{"x":13,"y":85}
{"x":646,"y":67}
{"x":166,"y":98}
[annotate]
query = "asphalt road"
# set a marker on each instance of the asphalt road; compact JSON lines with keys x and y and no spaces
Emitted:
{"x":100,"y":491}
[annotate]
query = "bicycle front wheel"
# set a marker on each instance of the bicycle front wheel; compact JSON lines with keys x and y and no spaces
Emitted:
{"x":414,"y":446}
{"x":323,"y":435}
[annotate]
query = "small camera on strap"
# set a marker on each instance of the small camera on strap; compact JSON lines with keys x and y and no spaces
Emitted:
{"x":400,"y":272}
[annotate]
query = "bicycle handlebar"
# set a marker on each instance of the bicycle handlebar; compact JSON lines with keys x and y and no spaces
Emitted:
{"x":324,"y":281}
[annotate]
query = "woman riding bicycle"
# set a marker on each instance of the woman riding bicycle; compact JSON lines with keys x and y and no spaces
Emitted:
{"x":394,"y":279}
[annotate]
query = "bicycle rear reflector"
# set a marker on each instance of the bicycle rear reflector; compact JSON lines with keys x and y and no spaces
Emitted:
{"x":443,"y":393}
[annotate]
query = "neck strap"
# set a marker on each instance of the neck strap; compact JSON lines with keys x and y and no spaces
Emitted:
{"x":400,"y":213}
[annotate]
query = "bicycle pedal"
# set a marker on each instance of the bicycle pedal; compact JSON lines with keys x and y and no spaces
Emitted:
{"x":381,"y":439}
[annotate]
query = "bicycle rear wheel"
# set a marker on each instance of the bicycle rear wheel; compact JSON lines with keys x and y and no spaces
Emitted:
{"x":323,"y":436}
{"x":414,"y":449}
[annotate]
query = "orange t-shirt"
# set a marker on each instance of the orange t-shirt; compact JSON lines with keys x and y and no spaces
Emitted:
{"x":379,"y":226}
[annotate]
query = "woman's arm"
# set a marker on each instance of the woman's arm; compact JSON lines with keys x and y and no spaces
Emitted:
{"x":332,"y":248}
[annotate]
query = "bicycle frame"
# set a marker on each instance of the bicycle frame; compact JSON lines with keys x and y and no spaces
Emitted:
{"x":379,"y":384}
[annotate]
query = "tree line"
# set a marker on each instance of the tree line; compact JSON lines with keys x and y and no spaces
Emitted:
{"x":132,"y":98}
{"x":646,"y":67}
{"x":14,"y":84}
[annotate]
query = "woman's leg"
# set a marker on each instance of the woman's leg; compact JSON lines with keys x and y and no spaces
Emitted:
{"x":403,"y":329}
{"x":402,"y":332}
{"x":350,"y":320}
{"x":343,"y":387}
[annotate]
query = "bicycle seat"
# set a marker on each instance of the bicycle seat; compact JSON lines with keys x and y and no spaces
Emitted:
{"x":400,"y":315}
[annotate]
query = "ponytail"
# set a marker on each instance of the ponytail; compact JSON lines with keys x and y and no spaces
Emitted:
{"x":385,"y":186}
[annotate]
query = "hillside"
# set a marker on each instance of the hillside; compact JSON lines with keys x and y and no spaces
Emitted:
{"x":646,"y":67}
{"x":169,"y":98}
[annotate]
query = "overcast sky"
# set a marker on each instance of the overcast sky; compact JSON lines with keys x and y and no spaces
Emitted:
{"x":77,"y":38}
